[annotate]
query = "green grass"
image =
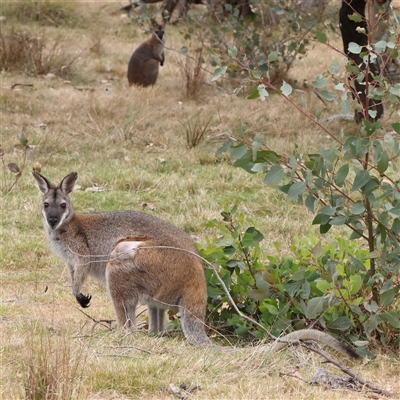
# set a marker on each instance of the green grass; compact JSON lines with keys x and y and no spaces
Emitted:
{"x":132,"y":143}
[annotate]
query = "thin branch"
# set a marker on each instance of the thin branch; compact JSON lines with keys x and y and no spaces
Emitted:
{"x":129,"y":347}
{"x":347,"y":371}
{"x":98,"y":322}
{"x":21,"y":84}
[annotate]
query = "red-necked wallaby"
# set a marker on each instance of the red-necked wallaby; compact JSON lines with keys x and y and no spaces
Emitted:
{"x":140,"y":258}
{"x":144,"y":64}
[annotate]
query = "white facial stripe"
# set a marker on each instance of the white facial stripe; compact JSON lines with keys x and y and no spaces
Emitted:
{"x":45,"y":219}
{"x":63,"y":216}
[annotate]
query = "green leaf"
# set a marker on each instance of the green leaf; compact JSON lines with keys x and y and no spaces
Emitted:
{"x":296,"y":190}
{"x":356,"y":283}
{"x":238,"y":151}
{"x":286,"y":89}
{"x":328,"y":96}
{"x":328,"y":210}
{"x":354,"y":48}
{"x":232,"y":51}
{"x":254,"y":94}
{"x":13,"y":168}
{"x":298,"y":275}
{"x":234,"y":320}
{"x":314,"y":307}
{"x":338,"y":221}
{"x":341,"y":175}
{"x":262,"y":92}
{"x":270,"y":308}
{"x":393,"y":318}
{"x":324,"y":228}
{"x":319,"y":82}
{"x":218,"y":73}
{"x":387,"y":298}
{"x":323,"y":286}
{"x":355,"y":235}
{"x":355,"y":17}
{"x":395,"y":90}
{"x":340,"y":324}
{"x":321,"y":37}
{"x":396,"y":226}
{"x":258,"y":294}
{"x":345,"y":106}
{"x":242,"y":330}
{"x":372,"y":323}
{"x":310,"y":202}
{"x":22,"y":139}
{"x":273,"y":56}
{"x":305,"y":290}
{"x":357,"y":208}
{"x":396,"y":127}
{"x":274,"y":175}
{"x":383,"y":163}
{"x":251,"y":237}
{"x":361,"y":179}
{"x":320,"y":219}
{"x":225,"y":147}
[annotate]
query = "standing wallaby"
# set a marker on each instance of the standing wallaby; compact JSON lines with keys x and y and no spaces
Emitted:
{"x":143,"y":65}
{"x":140,"y":258}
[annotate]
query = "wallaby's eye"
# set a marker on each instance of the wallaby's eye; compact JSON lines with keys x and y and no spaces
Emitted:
{"x":63,"y":205}
{"x":45,"y":205}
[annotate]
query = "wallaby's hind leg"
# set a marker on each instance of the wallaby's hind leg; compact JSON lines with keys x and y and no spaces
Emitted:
{"x":125,"y":312}
{"x":156,"y":319}
{"x":121,"y":287}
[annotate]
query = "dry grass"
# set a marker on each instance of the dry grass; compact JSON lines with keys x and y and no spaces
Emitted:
{"x":193,"y":74}
{"x":130,"y":142}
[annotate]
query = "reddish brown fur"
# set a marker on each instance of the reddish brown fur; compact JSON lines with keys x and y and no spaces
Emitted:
{"x":139,"y":258}
{"x":162,"y":278}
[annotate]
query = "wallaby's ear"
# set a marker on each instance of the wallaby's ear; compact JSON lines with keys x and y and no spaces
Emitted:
{"x":155,"y":26}
{"x":68,"y":183}
{"x":43,"y":183}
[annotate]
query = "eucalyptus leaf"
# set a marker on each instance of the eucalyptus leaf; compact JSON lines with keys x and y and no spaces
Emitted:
{"x":275,"y":175}
{"x":340,"y":324}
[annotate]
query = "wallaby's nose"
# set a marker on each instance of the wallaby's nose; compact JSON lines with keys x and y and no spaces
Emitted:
{"x":52,"y":221}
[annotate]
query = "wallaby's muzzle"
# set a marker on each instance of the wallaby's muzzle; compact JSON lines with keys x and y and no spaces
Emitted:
{"x":53,"y":221}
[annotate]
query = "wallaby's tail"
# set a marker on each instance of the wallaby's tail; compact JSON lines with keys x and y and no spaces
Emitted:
{"x":193,"y":328}
{"x":317,"y":336}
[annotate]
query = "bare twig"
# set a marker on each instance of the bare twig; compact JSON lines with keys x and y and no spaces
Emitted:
{"x":21,"y":84}
{"x":129,"y":347}
{"x":98,"y":322}
{"x":347,"y":371}
{"x":295,"y":375}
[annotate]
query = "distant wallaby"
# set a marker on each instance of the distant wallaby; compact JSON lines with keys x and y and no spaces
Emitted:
{"x":140,"y":258}
{"x":143,"y":65}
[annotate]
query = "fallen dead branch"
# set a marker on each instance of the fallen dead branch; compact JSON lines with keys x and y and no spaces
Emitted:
{"x":347,"y":371}
{"x":21,"y":84}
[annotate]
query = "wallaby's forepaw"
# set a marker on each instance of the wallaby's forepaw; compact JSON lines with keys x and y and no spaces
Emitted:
{"x":83,"y":300}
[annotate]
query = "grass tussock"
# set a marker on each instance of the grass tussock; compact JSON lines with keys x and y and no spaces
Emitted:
{"x":195,"y":130}
{"x":41,"y":12}
{"x":33,"y":54}
{"x":48,"y":362}
{"x":193,"y":74}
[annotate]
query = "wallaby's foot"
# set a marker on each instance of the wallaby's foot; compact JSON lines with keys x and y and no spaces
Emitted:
{"x":83,"y":300}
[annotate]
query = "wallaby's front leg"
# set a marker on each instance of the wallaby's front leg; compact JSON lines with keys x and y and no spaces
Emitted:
{"x":78,"y":275}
